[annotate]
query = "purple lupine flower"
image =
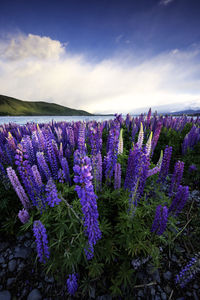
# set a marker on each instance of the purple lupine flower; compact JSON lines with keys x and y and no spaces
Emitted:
{"x":165,"y":164}
{"x":137,"y":169}
{"x":71,"y":138}
{"x":160,"y":220}
{"x":117,"y":183}
{"x":153,"y":171}
{"x":112,"y":153}
{"x":188,"y":272}
{"x":43,"y":165}
{"x":96,"y":161}
{"x":82,"y":170}
{"x":61,"y":176}
{"x":95,"y":139}
{"x":176,"y":177}
{"x":192,"y":168}
{"x":191,"y":139}
{"x":37,"y":176}
{"x":41,"y":241}
{"x":27,"y":144}
{"x":41,"y":139}
{"x":134,"y":131}
{"x":65,"y":169}
{"x":51,"y":155}
{"x":18,"y":188}
{"x":179,"y":200}
{"x":89,"y":251}
{"x":156,"y":137}
{"x":136,"y":175}
{"x":26,"y":173}
{"x":81,"y":138}
{"x":128,"y":122}
{"x":23,"y":215}
{"x":72,"y":284}
{"x":149,"y":117}
{"x":156,"y":169}
{"x":52,"y":194}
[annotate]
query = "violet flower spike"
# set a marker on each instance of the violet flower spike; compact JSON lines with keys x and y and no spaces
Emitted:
{"x":72,"y":284}
{"x":41,"y":241}
{"x":23,"y":215}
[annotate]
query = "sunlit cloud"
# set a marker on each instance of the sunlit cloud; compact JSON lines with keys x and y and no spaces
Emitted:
{"x":41,"y":69}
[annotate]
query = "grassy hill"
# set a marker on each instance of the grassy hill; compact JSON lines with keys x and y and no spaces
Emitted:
{"x":14,"y":107}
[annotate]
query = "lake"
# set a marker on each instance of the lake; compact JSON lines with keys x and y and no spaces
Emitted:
{"x":47,"y":119}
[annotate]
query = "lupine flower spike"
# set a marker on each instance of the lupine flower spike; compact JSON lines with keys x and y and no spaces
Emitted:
{"x":120,"y":146}
{"x":189,"y":271}
{"x":41,"y":240}
{"x":23,"y":216}
{"x":148,"y":144}
{"x":140,"y":136}
{"x":72,"y":284}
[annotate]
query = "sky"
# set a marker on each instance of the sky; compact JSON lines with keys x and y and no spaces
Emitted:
{"x":102,"y":56}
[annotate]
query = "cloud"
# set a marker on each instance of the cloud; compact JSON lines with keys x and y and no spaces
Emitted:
{"x":165,"y":2}
{"x":30,"y":46}
{"x":43,"y":69}
{"x":118,"y":38}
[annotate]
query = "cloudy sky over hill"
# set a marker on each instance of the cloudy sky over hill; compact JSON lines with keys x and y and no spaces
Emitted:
{"x":102,"y":56}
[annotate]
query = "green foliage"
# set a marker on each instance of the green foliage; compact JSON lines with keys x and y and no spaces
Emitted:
{"x":8,"y":218}
{"x":125,"y":236}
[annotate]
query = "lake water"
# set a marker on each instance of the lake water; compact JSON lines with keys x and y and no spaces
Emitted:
{"x":47,"y":119}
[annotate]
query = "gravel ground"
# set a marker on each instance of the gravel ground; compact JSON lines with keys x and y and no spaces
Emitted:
{"x":22,"y":278}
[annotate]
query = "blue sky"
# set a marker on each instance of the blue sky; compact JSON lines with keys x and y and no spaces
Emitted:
{"x":102,"y":56}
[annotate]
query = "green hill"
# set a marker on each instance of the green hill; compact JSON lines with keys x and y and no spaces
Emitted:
{"x":14,"y":107}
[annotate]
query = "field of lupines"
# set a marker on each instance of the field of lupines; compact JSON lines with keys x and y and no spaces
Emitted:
{"x":102,"y":198}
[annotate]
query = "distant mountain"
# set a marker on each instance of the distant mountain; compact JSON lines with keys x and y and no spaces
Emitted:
{"x":186,"y":112}
{"x":13,"y":107}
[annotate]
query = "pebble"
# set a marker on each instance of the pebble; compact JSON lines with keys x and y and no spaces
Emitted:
{"x":154,"y":273}
{"x":195,"y":286}
{"x":174,"y":258}
{"x":167,"y":275}
{"x":5,"y":295}
{"x":153,"y":292}
{"x":21,"y":266}
{"x":10,"y":281}
{"x":141,"y":293}
{"x":195,"y":295}
{"x":16,"y":260}
{"x":2,"y":260}
{"x":163,"y":296}
{"x":27,"y":244}
{"x":167,"y":289}
{"x":21,"y":253}
{"x":34,"y":295}
{"x":49,"y":279}
{"x":3,"y":245}
{"x":12,"y":265}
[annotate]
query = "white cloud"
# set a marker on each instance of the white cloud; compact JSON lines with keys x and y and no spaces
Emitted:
{"x":30,"y":46}
{"x":44,"y":70}
{"x":166,"y":2}
{"x":118,"y":38}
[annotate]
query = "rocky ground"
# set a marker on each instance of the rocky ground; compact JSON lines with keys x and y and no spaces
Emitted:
{"x":22,"y":278}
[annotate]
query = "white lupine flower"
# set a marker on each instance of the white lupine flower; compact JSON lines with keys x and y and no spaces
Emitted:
{"x":140,"y":136}
{"x":120,"y":146}
{"x":148,"y":144}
